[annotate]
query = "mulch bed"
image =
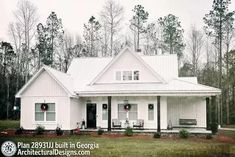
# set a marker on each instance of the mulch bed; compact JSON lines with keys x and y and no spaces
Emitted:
{"x":225,"y":139}
{"x":217,"y":138}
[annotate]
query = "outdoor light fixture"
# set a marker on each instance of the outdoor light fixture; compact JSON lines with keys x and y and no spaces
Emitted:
{"x":16,"y":108}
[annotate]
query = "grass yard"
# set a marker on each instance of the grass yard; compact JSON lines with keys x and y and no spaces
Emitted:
{"x":9,"y":124}
{"x":142,"y":146}
{"x":134,"y":147}
{"x":228,"y":133}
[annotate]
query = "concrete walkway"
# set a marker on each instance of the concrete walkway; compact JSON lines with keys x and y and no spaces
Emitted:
{"x":229,"y":129}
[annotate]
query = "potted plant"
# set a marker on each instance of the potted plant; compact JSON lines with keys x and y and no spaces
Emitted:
{"x":83,"y":124}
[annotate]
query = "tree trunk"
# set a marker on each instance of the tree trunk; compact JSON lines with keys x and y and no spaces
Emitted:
{"x":8,"y":96}
{"x":227,"y":86}
{"x":111,"y":41}
{"x":220,"y":69}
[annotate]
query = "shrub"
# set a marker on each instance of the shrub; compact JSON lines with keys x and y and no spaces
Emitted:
{"x":40,"y":130}
{"x":214,"y":128}
{"x":183,"y":133}
{"x":19,"y":131}
{"x":100,"y":131}
{"x":157,"y":135}
{"x":58,"y":131}
{"x":209,"y":136}
{"x":128,"y":131}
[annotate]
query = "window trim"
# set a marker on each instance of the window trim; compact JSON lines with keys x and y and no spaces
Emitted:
{"x":44,"y":113}
{"x":122,"y":75}
{"x":153,"y":111}
{"x":137,"y":111}
{"x":128,"y":77}
{"x":104,"y":110}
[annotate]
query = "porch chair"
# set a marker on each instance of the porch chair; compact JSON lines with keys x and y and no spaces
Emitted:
{"x":139,"y":124}
{"x":116,"y":124}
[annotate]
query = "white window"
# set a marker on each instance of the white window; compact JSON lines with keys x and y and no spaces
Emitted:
{"x":118,"y":75}
{"x":127,"y":75}
{"x":104,"y":114}
{"x":121,"y":112}
{"x":48,"y":115}
{"x":150,"y":112}
{"x":136,"y":75}
{"x":132,"y":115}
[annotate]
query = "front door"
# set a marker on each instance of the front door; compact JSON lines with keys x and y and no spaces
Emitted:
{"x":91,"y":115}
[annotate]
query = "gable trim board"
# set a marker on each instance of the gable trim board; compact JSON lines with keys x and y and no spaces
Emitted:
{"x":155,"y":74}
{"x":34,"y":78}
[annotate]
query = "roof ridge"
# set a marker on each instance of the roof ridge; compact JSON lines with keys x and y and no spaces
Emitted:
{"x":50,"y":68}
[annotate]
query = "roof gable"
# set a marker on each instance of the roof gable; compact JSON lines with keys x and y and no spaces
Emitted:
{"x":127,"y":60}
{"x":60,"y":78}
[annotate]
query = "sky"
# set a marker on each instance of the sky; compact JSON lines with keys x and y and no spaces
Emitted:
{"x":74,"y":13}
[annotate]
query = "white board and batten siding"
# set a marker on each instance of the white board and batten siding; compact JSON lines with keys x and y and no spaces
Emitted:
{"x":186,"y":108}
{"x":45,"y":90}
{"x":76,"y":112}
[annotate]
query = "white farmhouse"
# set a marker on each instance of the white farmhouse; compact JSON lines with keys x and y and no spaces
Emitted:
{"x":143,"y":92}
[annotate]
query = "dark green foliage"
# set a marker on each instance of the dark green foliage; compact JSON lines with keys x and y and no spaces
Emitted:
{"x":172,"y":35}
{"x":58,"y":131}
{"x":214,"y":128}
{"x":19,"y":131}
{"x":183,"y":133}
{"x":157,"y":135}
{"x":137,"y":22}
{"x":42,"y":46}
{"x":7,"y":79}
{"x":100,"y":131}
{"x":219,"y":25}
{"x":49,"y":38}
{"x":55,"y":33}
{"x":209,"y":136}
{"x":39,"y":130}
{"x":128,"y":131}
{"x":91,"y":36}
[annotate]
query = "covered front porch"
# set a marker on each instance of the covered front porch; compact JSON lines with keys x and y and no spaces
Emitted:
{"x":147,"y":113}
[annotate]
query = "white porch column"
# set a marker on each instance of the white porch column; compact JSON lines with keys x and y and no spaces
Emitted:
{"x":163,"y":112}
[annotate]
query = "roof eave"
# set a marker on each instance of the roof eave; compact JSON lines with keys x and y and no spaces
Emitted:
{"x":161,"y":93}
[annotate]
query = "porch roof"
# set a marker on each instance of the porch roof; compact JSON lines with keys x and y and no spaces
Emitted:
{"x":176,"y":87}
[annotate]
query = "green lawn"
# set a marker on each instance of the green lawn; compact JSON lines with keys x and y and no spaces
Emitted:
{"x":9,"y":124}
{"x":133,"y":146}
{"x":229,"y":133}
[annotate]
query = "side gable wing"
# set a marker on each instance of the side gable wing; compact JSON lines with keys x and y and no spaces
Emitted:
{"x":43,"y":73}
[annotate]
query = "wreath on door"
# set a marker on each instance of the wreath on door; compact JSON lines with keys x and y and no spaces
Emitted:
{"x":44,"y":107}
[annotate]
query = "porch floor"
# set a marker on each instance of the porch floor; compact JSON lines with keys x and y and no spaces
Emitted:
{"x":174,"y":130}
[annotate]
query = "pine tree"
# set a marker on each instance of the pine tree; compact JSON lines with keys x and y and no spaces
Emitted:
{"x":137,"y":22}
{"x":54,"y":30}
{"x":172,"y":33}
{"x":91,"y":36}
